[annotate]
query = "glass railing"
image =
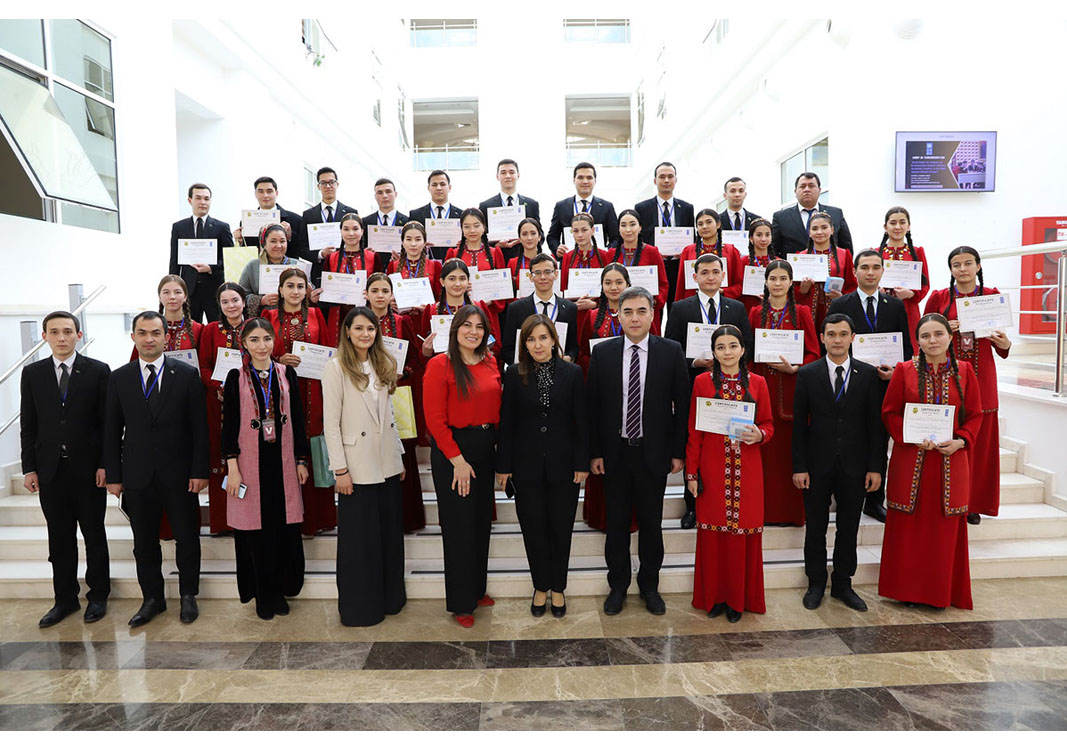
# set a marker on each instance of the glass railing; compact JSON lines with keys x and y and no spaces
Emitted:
{"x":451,"y":158}
{"x":600,"y":154}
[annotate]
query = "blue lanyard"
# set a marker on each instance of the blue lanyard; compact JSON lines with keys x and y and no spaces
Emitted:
{"x":873,"y":326}
{"x":578,"y":210}
{"x":707,"y":318}
{"x":259,"y":384}
{"x":147,"y":392}
{"x":613,"y":321}
{"x":844,"y":385}
{"x":555,"y":304}
{"x":622,"y":257}
{"x":781,"y":318}
{"x":411,"y":274}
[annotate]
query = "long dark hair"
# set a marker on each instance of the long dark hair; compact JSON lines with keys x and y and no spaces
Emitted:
{"x":963,"y":250}
{"x":285,"y":275}
{"x":751,"y":247}
{"x":620,"y":250}
{"x":961,"y":413}
{"x":907,"y":235}
{"x":588,"y":218}
{"x":477,"y":214}
{"x":414,"y":226}
{"x":742,"y":368}
{"x":464,"y":379}
{"x":452,"y":264}
{"x":229,"y":286}
{"x":187,"y":315}
{"x":525,"y":362}
{"x":602,"y":303}
{"x":363,"y":226}
{"x":540,"y":232}
{"x":791,"y":304}
{"x":833,"y":243}
{"x":718,"y":234}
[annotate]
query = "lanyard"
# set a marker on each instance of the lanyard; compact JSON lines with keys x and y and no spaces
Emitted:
{"x":259,"y":384}
{"x":873,"y":326}
{"x":578,"y":209}
{"x":411,"y":274}
{"x":704,"y":310}
{"x":147,"y":392}
{"x":781,"y":318}
{"x":588,"y":258}
{"x":616,"y":326}
{"x":844,"y":385}
{"x":622,"y":257}
{"x":555,"y":305}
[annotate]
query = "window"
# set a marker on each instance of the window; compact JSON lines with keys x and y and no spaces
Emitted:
{"x":444,"y":32}
{"x":717,"y":33}
{"x":23,"y":38}
{"x":598,"y":130}
{"x":446,"y":134}
{"x":376,"y":77}
{"x":661,"y":83}
{"x":640,"y":116}
{"x":814,"y":158}
{"x":311,"y":196}
{"x":402,"y":118}
{"x":316,"y":43}
{"x":597,"y":30}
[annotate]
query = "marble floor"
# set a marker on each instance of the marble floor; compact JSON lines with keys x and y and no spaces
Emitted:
{"x":1002,"y":665}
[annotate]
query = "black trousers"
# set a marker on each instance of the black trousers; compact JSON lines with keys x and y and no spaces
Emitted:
{"x":670,"y":265}
{"x":465,"y":521}
{"x":69,"y":500}
{"x":202,"y":300}
{"x":848,"y":490}
{"x":546,"y":512}
{"x":633,"y":487}
{"x":370,"y":553}
{"x":877,"y":498}
{"x":145,"y":507}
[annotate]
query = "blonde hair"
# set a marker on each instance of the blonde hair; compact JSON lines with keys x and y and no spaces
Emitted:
{"x":383,"y":364}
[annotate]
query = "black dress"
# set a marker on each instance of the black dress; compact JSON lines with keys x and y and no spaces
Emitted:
{"x":270,"y":561}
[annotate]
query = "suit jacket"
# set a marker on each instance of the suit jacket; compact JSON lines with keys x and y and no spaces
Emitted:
{"x":535,"y":442}
{"x":727,"y":220}
{"x":48,"y":423}
{"x":688,"y":311}
{"x":213,"y":230}
{"x":314,"y":216}
{"x":664,"y":404}
{"x":422,"y":213}
{"x":649,"y":211}
{"x":890,"y":317}
{"x":533,"y":210}
{"x":371,"y":219}
{"x":168,"y":440}
{"x":825,"y":429}
{"x":603,"y":213}
{"x":789,"y":235}
{"x":518,"y":311}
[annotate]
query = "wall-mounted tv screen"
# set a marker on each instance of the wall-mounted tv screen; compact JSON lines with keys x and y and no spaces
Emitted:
{"x":962,"y":161}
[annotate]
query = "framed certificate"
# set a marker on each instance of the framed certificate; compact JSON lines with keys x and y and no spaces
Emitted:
{"x":933,"y":422}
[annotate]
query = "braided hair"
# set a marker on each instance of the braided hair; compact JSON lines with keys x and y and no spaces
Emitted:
{"x":602,"y":305}
{"x":187,"y":315}
{"x":718,"y":235}
{"x":833,"y":243}
{"x":477,"y":214}
{"x":751,"y":247}
{"x":791,"y":304}
{"x":362,"y":224}
{"x":961,"y":412}
{"x":716,"y":368}
{"x":452,"y":264}
{"x":963,"y":250}
{"x":907,"y":236}
{"x":285,"y":275}
{"x":588,"y":218}
{"x":415,"y":226}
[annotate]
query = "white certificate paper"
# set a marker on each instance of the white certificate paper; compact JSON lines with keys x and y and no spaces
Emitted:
{"x":690,"y":282}
{"x":198,"y":251}
{"x":671,"y":241}
{"x":716,"y":414}
{"x":736,"y":237}
{"x":439,"y":326}
{"x":344,"y":288}
{"x":755,"y":277}
{"x":773,"y":342}
{"x":313,"y":359}
{"x":583,"y":281}
{"x":983,"y":315}
{"x":601,"y":340}
{"x":698,"y":340}
{"x":443,"y":232}
{"x":645,"y":276}
{"x":398,"y":350}
{"x":526,"y":285}
{"x":487,"y":286}
{"x":598,"y":235}
{"x":809,"y":266}
{"x":384,"y":239}
{"x":268,"y":278}
{"x":504,"y":222}
{"x":225,"y":360}
{"x":409,"y":293}
{"x":561,"y":333}
{"x":322,"y":236}
{"x":903,"y":273}
{"x":188,"y":356}
{"x":932,"y":422}
{"x":252,"y":221}
{"x":878,"y":349}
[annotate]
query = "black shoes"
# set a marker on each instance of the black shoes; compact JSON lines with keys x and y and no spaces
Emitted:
{"x":813,"y":597}
{"x":58,"y":613}
{"x":689,"y":519}
{"x":654,"y":602}
{"x":281,"y":607}
{"x":561,"y":610}
{"x":148,"y":610}
{"x":974,"y":519}
{"x":717,"y":610}
{"x":189,"y":611}
{"x":613,"y":604}
{"x":732,"y":615}
{"x":877,"y":512}
{"x":848,"y":597}
{"x":538,"y":610}
{"x":95,"y":611}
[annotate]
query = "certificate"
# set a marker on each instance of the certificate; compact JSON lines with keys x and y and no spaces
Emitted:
{"x":583,"y":281}
{"x":440,"y":326}
{"x":313,"y":359}
{"x":443,"y":232}
{"x":723,"y":417}
{"x":504,"y":222}
{"x":904,"y":273}
{"x":598,"y":235}
{"x":755,"y":277}
{"x":690,"y":269}
{"x":384,"y":239}
{"x":526,"y":285}
{"x":398,"y":350}
{"x":253,"y":221}
{"x":933,"y":422}
{"x":698,"y":340}
{"x":601,"y":340}
{"x":198,"y":251}
{"x":645,"y":276}
{"x":225,"y":360}
{"x":268,"y":278}
{"x":561,"y":333}
{"x":409,"y":293}
{"x":344,"y":288}
{"x":492,"y":285}
{"x":771,"y":343}
{"x":188,"y":356}
{"x":672,"y":240}
{"x":879,"y":349}
{"x":809,"y":266}
{"x":983,"y":315}
{"x":736,"y":237}
{"x":322,"y":236}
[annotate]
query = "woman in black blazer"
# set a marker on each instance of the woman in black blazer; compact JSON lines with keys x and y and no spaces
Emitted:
{"x":544,"y":448}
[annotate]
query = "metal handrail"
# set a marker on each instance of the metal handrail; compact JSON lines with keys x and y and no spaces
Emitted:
{"x":15,"y":417}
{"x":1017,"y":250}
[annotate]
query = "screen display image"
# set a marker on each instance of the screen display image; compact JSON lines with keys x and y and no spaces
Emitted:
{"x":946,"y":161}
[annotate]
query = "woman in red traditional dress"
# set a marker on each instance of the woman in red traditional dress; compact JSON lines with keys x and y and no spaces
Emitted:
{"x":396,"y":326}
{"x":709,"y":240}
{"x":531,"y":237}
{"x":821,"y":242}
{"x":631,"y":252}
{"x":783,"y":502}
{"x":474,"y":250}
{"x":416,"y":262}
{"x":584,"y":255}
{"x":351,"y":257}
{"x":726,"y":476}
{"x":225,"y":333}
{"x":967,"y":281}
{"x":455,"y":293}
{"x":897,"y":245}
{"x":924,"y":550}
{"x":296,"y":323}
{"x":759,"y":254}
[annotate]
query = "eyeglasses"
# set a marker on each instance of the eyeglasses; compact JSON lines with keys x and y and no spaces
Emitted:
{"x":542,"y":274}
{"x":327,"y":183}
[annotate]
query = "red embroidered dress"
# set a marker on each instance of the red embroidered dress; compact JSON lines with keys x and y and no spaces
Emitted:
{"x":733,"y":269}
{"x":840,"y":265}
{"x":341,"y":262}
{"x":762,"y":261}
{"x":215,"y":336}
{"x":911,"y":305}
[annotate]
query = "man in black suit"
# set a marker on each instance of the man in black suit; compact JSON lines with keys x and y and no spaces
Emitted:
{"x":201,"y":279}
{"x":582,"y":201}
{"x":386,"y":216}
{"x":839,"y":451}
{"x":789,"y":227}
{"x":62,"y":418}
{"x":267,"y":199}
{"x":638,"y":415}
{"x":439,"y":185}
{"x":507,"y":174}
{"x":736,"y":218}
{"x":874,"y":312}
{"x":328,"y":210}
{"x":156,"y":459}
{"x":544,"y":271}
{"x":665,"y":211}
{"x":708,"y":307}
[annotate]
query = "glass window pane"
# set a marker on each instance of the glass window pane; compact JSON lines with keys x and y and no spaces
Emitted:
{"x":75,"y":215}
{"x":82,"y":56}
{"x":791,"y":169}
{"x":94,"y":125}
{"x":24,"y":38}
{"x":818,"y":160}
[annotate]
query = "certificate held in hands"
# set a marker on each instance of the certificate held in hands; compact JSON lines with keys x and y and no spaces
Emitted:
{"x":809,"y":266}
{"x":504,"y":222}
{"x":382,"y":239}
{"x":252,"y":221}
{"x":879,"y":349}
{"x":773,"y":343}
{"x":189,"y":356}
{"x":408,"y":293}
{"x":755,"y":278}
{"x":344,"y":288}
{"x":487,"y":286}
{"x":983,"y":315}
{"x":698,"y":340}
{"x":398,"y":350}
{"x":671,"y":241}
{"x":724,"y":417}
{"x":583,"y":281}
{"x":268,"y":278}
{"x":313,"y":359}
{"x":443,"y":232}
{"x":643,"y":276}
{"x":903,"y":273}
{"x":225,"y":360}
{"x":322,"y":236}
{"x":439,"y":327}
{"x":191,"y":252}
{"x":933,"y":422}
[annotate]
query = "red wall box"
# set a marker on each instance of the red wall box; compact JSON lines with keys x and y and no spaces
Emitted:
{"x":1040,"y":270}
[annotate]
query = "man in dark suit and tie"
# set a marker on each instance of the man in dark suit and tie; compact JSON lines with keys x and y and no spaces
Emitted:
{"x":201,"y":279}
{"x":327,"y":211}
{"x":507,"y":174}
{"x":838,"y":451}
{"x":156,"y":459}
{"x":708,"y":307}
{"x":583,"y":201}
{"x":638,"y":416}
{"x":439,"y":185}
{"x":386,"y":216}
{"x":62,"y":424}
{"x":267,"y":198}
{"x":736,"y":218}
{"x":874,"y":312}
{"x":544,"y":271}
{"x":789,"y":227}
{"x":665,"y":211}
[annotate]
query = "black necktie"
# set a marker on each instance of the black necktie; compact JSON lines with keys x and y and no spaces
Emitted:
{"x":737,"y":221}
{"x":666,"y":214}
{"x":150,"y":386}
{"x":199,"y":226}
{"x":870,"y":313}
{"x":64,"y":381}
{"x":329,"y":214}
{"x":383,"y":220}
{"x":440,"y":212}
{"x":585,"y":206}
{"x":807,"y":222}
{"x":544,"y":309}
{"x":510,"y":201}
{"x":839,"y":381}
{"x":713,"y":315}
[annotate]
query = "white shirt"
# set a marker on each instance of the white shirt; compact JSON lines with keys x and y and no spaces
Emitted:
{"x":553,"y":305}
{"x":444,"y":210}
{"x":146,"y":376}
{"x":578,"y":203}
{"x":69,"y":361}
{"x":627,"y":354}
{"x":195,"y":217}
{"x":847,"y":364}
{"x":804,"y":212}
{"x":389,"y":217}
{"x":729,"y":226}
{"x":863,"y":297}
{"x":704,"y":304}
{"x":659,"y":211}
{"x":322,"y":210}
{"x":514,"y":199}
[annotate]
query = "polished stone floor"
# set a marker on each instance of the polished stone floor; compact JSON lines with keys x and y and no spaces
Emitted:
{"x":1002,"y":665}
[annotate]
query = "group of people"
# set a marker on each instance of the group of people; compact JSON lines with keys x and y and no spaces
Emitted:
{"x":537,"y":396}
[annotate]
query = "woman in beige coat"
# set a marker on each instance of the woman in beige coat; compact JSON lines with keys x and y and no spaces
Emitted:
{"x":366,"y":459}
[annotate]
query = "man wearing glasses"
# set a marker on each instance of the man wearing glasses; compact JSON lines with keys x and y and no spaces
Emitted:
{"x":328,"y":210}
{"x":544,"y":301}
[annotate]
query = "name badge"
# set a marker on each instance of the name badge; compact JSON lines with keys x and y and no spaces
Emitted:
{"x":269,"y":432}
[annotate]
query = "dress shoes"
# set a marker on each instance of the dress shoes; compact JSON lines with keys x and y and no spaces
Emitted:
{"x":732,"y":615}
{"x":689,"y":519}
{"x":813,"y":597}
{"x":189,"y":611}
{"x":875,"y":511}
{"x":561,"y":610}
{"x":486,"y":601}
{"x":538,"y":610}
{"x":974,"y":519}
{"x":717,"y":610}
{"x":466,"y":621}
{"x":57,"y":613}
{"x":281,"y":607}
{"x":849,"y":598}
{"x":148,"y":610}
{"x":95,"y":611}
{"x":613,"y":604}
{"x":654,"y":602}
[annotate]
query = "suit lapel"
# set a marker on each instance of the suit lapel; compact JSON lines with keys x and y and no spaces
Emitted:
{"x":368,"y":396}
{"x":171,"y":376}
